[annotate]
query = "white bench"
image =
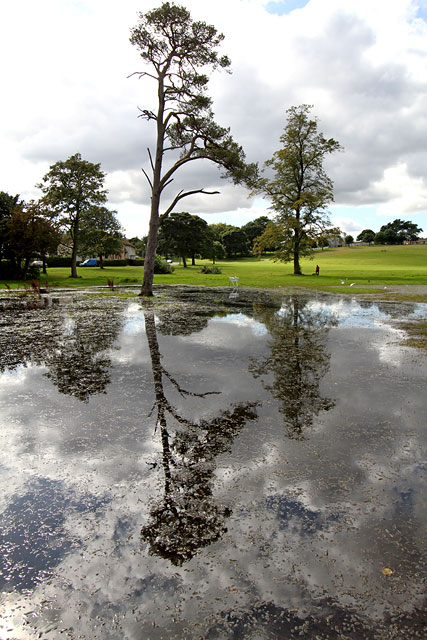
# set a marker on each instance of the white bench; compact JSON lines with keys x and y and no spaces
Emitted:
{"x":234,"y":281}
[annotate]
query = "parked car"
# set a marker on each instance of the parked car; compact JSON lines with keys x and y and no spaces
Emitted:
{"x":90,"y":262}
{"x":37,"y":263}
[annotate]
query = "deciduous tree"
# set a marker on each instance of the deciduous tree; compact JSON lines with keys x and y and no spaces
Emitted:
{"x":29,"y":235}
{"x":299,"y":188}
{"x":183,"y":234}
{"x":406,"y":231}
{"x":100,"y":233}
{"x":235,"y":242}
{"x":255,"y":228}
{"x":367,"y":235}
{"x":71,"y":188}
{"x":178,"y":53}
{"x":7,"y":205}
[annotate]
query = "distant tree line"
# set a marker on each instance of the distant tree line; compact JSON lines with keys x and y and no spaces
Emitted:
{"x":188,"y":236}
{"x":396,"y":232}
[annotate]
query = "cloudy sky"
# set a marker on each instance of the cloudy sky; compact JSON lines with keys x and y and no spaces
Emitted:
{"x":361,"y":63}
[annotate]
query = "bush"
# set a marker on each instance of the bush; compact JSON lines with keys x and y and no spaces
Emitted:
{"x":33,"y":273}
{"x":210,"y":269}
{"x":161,"y":266}
{"x":135,"y":262}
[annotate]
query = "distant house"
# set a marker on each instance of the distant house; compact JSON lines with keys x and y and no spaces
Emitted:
{"x":128,"y":252}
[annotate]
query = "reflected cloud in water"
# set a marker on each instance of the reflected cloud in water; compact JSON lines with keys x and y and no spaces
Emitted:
{"x":206,"y":467}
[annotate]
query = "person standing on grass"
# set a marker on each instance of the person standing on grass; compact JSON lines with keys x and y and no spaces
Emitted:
{"x":317,"y":269}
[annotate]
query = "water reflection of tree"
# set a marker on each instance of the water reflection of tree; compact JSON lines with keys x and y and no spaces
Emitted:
{"x":71,"y":345}
{"x":297,"y":361}
{"x":187,"y":518}
{"x":78,"y":365}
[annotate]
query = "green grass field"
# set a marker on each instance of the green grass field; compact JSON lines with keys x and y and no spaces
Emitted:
{"x":390,"y":265}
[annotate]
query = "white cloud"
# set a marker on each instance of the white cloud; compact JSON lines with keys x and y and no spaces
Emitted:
{"x":405,"y":194}
{"x":347,"y":225}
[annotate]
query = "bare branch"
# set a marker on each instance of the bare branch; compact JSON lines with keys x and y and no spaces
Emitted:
{"x":145,"y":113}
{"x":184,"y":392}
{"x":184,"y":194}
{"x":151,"y":158}
{"x":141,"y":74}
{"x":166,"y":183}
{"x":147,"y":176}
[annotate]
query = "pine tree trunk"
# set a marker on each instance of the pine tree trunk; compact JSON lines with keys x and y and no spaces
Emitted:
{"x":147,"y":281}
{"x":150,"y":252}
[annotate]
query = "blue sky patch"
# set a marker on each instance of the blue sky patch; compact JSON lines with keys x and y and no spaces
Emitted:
{"x":421,"y":10}
{"x":282,"y":7}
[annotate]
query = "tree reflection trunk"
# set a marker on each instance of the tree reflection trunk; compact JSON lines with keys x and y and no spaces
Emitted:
{"x":187,"y":518}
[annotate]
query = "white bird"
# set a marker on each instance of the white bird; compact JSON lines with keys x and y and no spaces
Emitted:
{"x":350,"y":285}
{"x":342,"y":281}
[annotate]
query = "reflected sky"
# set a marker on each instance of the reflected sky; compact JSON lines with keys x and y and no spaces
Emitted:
{"x":202,"y":467}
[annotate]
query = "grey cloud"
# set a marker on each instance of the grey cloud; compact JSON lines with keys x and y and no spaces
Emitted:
{"x":376,"y":111}
{"x":371,"y":103}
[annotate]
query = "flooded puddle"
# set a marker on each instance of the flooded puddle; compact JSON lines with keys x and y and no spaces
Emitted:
{"x":207,"y":467}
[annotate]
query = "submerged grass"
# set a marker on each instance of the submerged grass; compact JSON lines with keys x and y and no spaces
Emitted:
{"x":417,"y":334}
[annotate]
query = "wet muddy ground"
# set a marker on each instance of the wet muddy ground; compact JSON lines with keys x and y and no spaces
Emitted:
{"x":200,"y":466}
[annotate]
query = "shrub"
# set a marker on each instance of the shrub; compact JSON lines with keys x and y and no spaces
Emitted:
{"x":33,"y":273}
{"x":135,"y":262}
{"x":210,"y":269}
{"x":161,"y":266}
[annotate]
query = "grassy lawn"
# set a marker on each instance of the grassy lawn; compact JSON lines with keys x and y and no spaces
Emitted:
{"x":391,"y":265}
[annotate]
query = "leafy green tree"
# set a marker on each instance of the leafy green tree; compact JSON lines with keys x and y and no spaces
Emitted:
{"x":212,"y":248}
{"x":235,"y":242}
{"x":179,"y":52}
{"x":387,"y":236}
{"x":233,"y":239}
{"x":270,"y":240}
{"x":139,"y":244}
{"x":100,"y":233}
{"x":349,"y":240}
{"x":71,"y":188}
{"x":255,"y":228}
{"x":406,"y":231}
{"x":29,"y":235}
{"x":183,"y":234}
{"x":7,"y":205}
{"x":299,"y":188}
{"x":367,"y":235}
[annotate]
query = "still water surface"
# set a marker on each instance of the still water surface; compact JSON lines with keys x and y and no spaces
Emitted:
{"x":206,"y":467}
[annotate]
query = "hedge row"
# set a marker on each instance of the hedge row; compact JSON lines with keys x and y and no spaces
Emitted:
{"x":60,"y":261}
